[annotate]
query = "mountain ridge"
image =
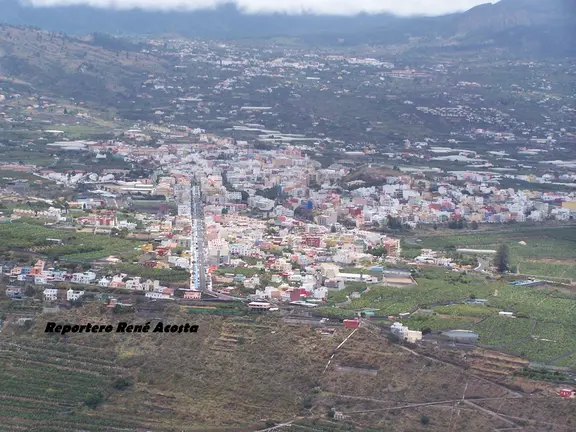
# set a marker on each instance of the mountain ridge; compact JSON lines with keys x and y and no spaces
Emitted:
{"x":531,"y":26}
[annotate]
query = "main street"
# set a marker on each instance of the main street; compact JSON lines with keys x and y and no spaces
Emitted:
{"x":198,"y":271}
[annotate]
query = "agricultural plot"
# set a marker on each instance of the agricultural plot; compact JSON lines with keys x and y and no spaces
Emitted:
{"x":537,"y":304}
{"x":435,"y":287}
{"x":547,"y":342}
{"x":74,"y":246}
{"x":502,"y":331}
{"x":55,"y":386}
{"x":540,"y":330}
{"x":556,"y":270}
{"x":568,"y":361}
{"x":435,"y":322}
{"x":538,"y":257}
{"x":466,"y":310}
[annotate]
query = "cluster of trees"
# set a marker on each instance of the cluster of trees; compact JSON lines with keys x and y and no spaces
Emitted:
{"x":378,"y":251}
{"x":502,"y":259}
{"x":393,"y":222}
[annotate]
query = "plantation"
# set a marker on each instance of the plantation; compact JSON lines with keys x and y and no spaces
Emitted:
{"x":552,"y":242}
{"x":502,"y":331}
{"x":542,"y":245}
{"x":75,"y":246}
{"x":436,"y":286}
{"x":435,"y":322}
{"x":538,"y":332}
{"x":466,"y":310}
{"x":555,"y":270}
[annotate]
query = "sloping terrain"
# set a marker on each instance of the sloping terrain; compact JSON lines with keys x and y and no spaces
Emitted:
{"x":71,"y":67}
{"x":268,"y":372}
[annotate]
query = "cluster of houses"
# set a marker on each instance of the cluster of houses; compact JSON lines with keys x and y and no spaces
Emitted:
{"x":39,"y":275}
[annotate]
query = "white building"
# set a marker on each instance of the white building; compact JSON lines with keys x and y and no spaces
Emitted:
{"x":134,"y":284}
{"x":40,"y":280}
{"x":157,"y":295}
{"x":50,"y":294}
{"x":73,"y":295}
{"x":83,"y":278}
{"x":405,"y":334}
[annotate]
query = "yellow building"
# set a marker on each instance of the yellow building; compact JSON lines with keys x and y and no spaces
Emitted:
{"x":570,"y":205}
{"x":147,"y":248}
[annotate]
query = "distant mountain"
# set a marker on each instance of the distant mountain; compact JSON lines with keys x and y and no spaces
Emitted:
{"x":225,"y":22}
{"x":533,"y":27}
{"x":537,"y":27}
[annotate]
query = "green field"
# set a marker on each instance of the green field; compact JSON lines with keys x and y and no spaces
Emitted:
{"x":549,"y":252}
{"x":551,"y":242}
{"x":543,"y":329}
{"x":32,"y":156}
{"x":435,"y":322}
{"x":75,"y":246}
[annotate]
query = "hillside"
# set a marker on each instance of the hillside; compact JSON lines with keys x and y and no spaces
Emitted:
{"x":523,"y":27}
{"x":241,"y":374}
{"x":71,"y":67}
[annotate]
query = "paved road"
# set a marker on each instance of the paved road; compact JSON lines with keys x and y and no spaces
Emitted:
{"x":198,"y":241}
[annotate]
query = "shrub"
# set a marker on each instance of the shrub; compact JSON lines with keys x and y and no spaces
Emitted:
{"x":424,"y":420}
{"x":122,"y":383}
{"x":92,"y":400}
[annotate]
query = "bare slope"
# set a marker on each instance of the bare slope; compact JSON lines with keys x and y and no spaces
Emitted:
{"x":235,"y":373}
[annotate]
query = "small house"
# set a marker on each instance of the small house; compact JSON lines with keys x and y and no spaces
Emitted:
{"x":354,"y":323}
{"x":192,"y":295}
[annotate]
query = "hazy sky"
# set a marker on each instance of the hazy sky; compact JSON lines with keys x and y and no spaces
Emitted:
{"x":340,"y":7}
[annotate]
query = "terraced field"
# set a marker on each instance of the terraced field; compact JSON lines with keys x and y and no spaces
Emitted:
{"x":50,"y":383}
{"x":408,"y":387}
{"x":222,"y":378}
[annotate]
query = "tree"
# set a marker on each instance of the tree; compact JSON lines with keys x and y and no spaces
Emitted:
{"x":394,"y":223}
{"x":502,"y":259}
{"x":474,"y":225}
{"x":333,"y":229}
{"x":30,"y":291}
{"x":378,"y":251}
